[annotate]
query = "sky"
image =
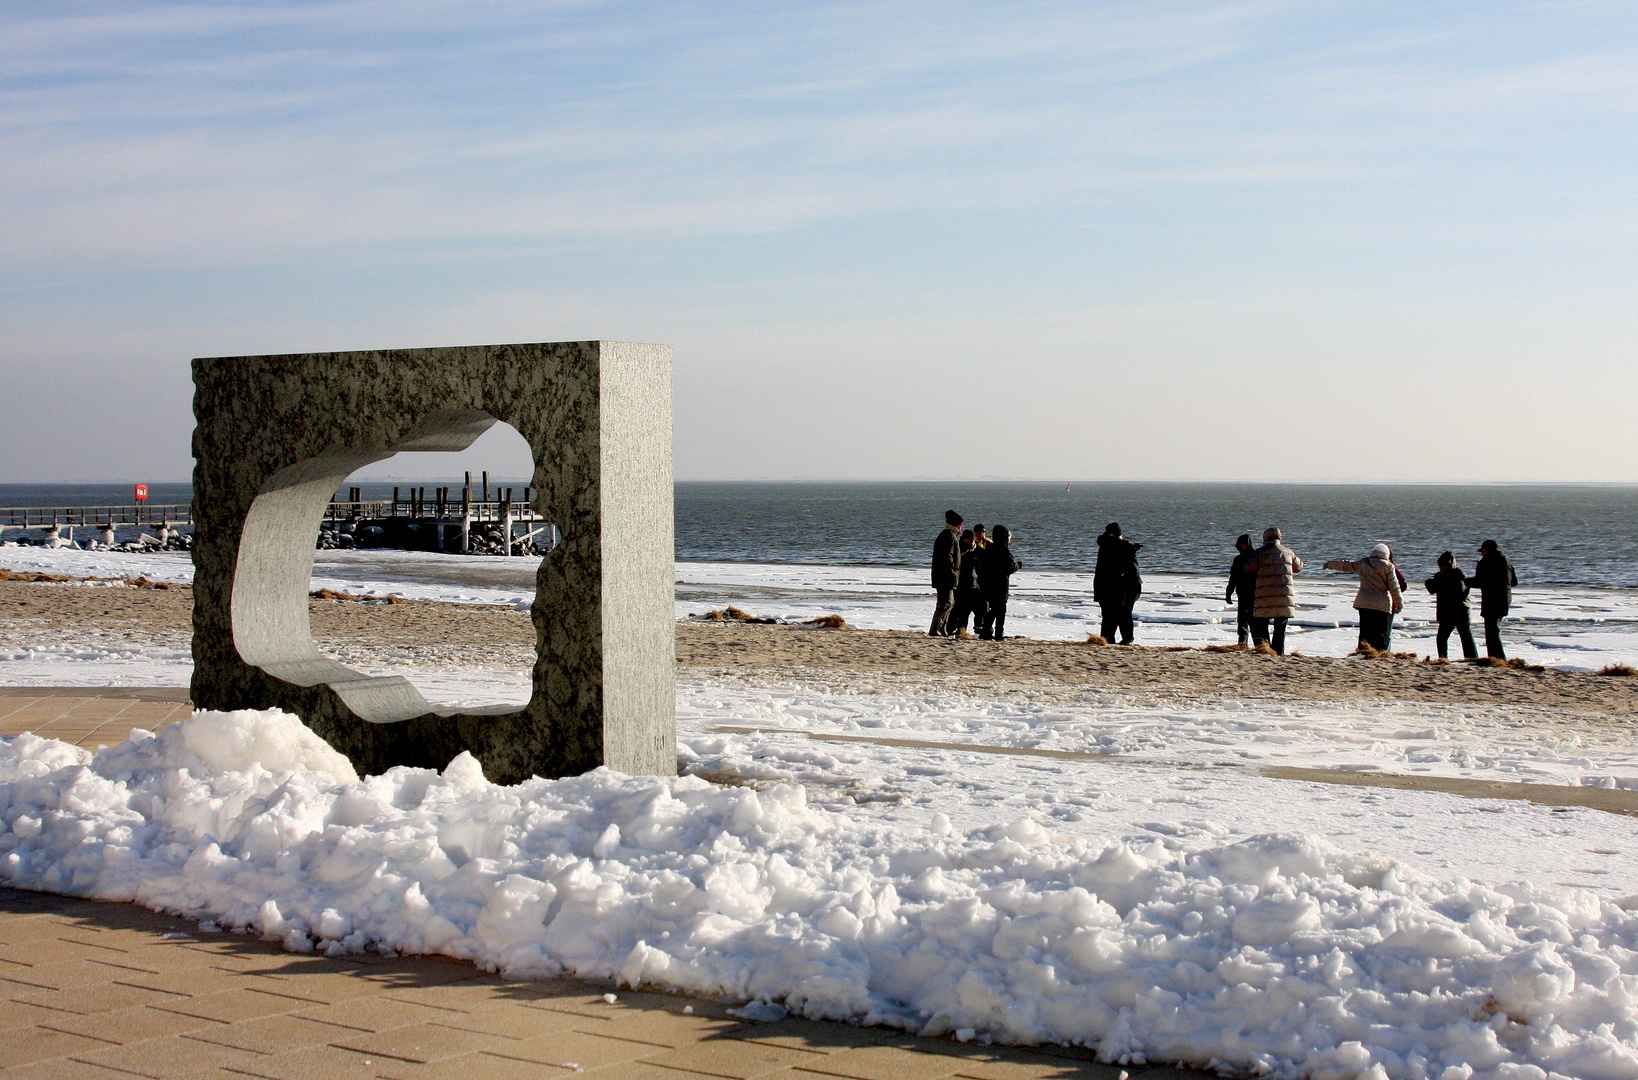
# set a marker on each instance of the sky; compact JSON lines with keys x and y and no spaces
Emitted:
{"x":1092,"y":240}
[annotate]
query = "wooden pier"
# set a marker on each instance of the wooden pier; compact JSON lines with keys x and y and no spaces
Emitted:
{"x":405,"y":518}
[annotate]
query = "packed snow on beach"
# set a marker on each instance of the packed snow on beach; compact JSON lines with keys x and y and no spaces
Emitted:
{"x":1576,"y":629}
{"x":1275,"y":954}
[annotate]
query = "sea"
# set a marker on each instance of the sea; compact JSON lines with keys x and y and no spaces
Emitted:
{"x":802,"y":549}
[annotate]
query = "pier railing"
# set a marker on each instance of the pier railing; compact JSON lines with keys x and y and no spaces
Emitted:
{"x":42,"y":517}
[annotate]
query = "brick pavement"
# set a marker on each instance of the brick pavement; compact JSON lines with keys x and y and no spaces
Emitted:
{"x":113,"y":991}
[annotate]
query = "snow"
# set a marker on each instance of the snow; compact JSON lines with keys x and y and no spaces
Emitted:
{"x":1576,"y":629}
{"x":1142,"y":888}
{"x":1274,"y":954}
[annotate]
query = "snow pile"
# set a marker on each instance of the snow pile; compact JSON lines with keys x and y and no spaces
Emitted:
{"x":1278,"y":954}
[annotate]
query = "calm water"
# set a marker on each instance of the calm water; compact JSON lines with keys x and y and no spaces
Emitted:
{"x":1555,"y":535}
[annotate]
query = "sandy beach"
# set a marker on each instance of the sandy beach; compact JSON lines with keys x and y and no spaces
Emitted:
{"x":441,"y":632}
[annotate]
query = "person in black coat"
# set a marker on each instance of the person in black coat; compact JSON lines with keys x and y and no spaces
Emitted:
{"x":1116,"y":584}
{"x":1452,"y":606}
{"x":1242,"y":580}
{"x":1494,"y":578}
{"x":995,"y":569}
{"x":968,"y":604}
{"x":946,"y":572}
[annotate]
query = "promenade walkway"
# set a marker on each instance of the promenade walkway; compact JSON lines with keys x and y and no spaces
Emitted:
{"x":97,"y":990}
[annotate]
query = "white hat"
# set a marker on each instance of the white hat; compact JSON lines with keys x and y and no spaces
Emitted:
{"x":1381,"y":552}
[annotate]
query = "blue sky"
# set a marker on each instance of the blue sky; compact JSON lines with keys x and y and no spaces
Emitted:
{"x":1254,"y":240}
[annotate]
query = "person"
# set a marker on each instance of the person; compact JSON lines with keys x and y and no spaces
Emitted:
{"x":967,"y":602}
{"x":981,"y":544}
{"x":1495,"y":580}
{"x":1116,"y":584}
{"x":946,"y":571}
{"x":1276,"y":567}
{"x":1454,"y":609}
{"x":1378,"y":599}
{"x":995,"y":569}
{"x":1242,"y":582}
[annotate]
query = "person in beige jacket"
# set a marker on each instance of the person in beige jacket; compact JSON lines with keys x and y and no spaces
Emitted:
{"x":1275,"y":568}
{"x":1378,"y":599}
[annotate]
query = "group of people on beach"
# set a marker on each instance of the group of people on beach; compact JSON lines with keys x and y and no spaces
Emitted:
{"x":972,"y":578}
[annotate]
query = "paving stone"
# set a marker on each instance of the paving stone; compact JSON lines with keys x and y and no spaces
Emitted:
{"x":232,"y":1005}
{"x":322,"y":989}
{"x":811,"y":1035}
{"x":884,"y":1063}
{"x":167,"y":1057}
{"x":76,"y":973}
{"x":317,"y":1063}
{"x":373,"y":1014}
{"x":124,"y":1026}
{"x":733,"y":1058}
{"x":15,"y":1015}
{"x":1024,"y":1065}
{"x":480,"y":1067}
{"x":640,"y":1070}
{"x":23,"y":1047}
{"x":95,"y":998}
{"x":64,"y":1069}
{"x":48,"y":950}
{"x":198,"y":981}
{"x":468,"y":996}
{"x":268,"y":1034}
{"x":666,"y":1028}
{"x":511,"y":1021}
{"x":419,"y":1042}
{"x":574,"y":1047}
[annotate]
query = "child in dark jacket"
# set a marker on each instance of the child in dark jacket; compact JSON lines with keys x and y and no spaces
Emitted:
{"x":995,"y":570}
{"x":1450,"y":590}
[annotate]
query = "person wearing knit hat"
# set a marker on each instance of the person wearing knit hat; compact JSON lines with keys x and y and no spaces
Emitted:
{"x":1242,"y":579}
{"x":1495,"y":580}
{"x":946,"y":572}
{"x":1378,"y":599}
{"x":1451,"y":604}
{"x":1275,"y":567}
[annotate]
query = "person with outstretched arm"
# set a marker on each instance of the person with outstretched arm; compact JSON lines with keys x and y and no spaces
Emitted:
{"x":946,"y":572}
{"x":1495,"y":580}
{"x":1452,"y":606}
{"x":1276,"y":567}
{"x":1242,"y":582}
{"x":1378,"y":599}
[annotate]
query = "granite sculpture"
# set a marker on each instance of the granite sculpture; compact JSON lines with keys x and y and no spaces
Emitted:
{"x":276,"y":435}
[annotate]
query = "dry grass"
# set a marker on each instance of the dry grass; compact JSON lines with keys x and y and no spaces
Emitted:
{"x":836,"y":622}
{"x":1265,"y":649}
{"x":1626,"y":670}
{"x":733,"y":614}
{"x":1370,"y":652}
{"x":1513,"y":663}
{"x":1096,"y":639}
{"x":1436,"y":661}
{"x":1236,"y":647}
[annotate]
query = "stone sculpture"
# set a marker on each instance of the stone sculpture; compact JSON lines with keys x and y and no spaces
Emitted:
{"x":276,"y":435}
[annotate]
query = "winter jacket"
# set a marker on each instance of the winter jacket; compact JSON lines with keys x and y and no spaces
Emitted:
{"x":967,"y":579}
{"x":1450,"y":591}
{"x":995,"y":569}
{"x":1115,"y":580}
{"x":1242,"y":578}
{"x":1494,"y":578}
{"x":1378,"y":583}
{"x":947,"y":558}
{"x":1277,"y":567}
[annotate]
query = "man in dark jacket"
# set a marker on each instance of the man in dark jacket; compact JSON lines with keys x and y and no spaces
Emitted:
{"x":1494,"y":578}
{"x":1116,"y":584}
{"x":1243,"y":581}
{"x":995,"y":569}
{"x":946,"y":571}
{"x":967,"y":597}
{"x":1452,"y":606}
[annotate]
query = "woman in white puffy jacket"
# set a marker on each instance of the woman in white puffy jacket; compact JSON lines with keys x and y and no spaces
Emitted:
{"x":1378,"y":599}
